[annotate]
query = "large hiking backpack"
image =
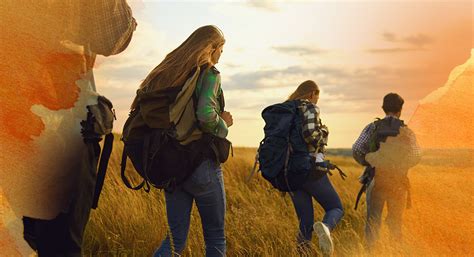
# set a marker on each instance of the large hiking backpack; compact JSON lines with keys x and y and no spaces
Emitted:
{"x":162,"y":138}
{"x":283,"y":154}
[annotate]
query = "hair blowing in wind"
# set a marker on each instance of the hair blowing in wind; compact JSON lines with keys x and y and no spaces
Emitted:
{"x":195,"y":51}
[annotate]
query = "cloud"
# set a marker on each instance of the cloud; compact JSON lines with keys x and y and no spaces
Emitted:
{"x":357,"y":88}
{"x":391,"y":50}
{"x":389,"y":37}
{"x":299,"y":50}
{"x":410,"y":43}
{"x":266,"y":5}
{"x":285,"y":77}
{"x":418,"y":40}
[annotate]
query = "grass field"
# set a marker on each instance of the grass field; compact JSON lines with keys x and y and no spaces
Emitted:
{"x":260,"y":222}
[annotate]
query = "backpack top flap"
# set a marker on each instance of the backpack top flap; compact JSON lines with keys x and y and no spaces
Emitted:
{"x":279,"y":118}
{"x":154,"y":106}
{"x":158,"y":108}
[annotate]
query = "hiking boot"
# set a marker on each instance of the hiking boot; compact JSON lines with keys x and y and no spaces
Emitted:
{"x":324,"y":236}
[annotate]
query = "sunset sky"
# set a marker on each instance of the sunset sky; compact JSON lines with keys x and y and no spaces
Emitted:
{"x":356,"y":51}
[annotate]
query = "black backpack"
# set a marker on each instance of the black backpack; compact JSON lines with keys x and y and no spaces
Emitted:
{"x":283,"y":154}
{"x":164,"y":150}
{"x":160,"y":159}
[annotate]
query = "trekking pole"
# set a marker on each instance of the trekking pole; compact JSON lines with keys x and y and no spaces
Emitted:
{"x":341,"y":173}
{"x":332,"y":166}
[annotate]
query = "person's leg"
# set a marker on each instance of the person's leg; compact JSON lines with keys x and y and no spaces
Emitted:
{"x":51,"y":238}
{"x":29,"y":232}
{"x":396,"y":204}
{"x":304,"y":211}
{"x":207,"y":186}
{"x":178,"y":211}
{"x":63,"y":235}
{"x":375,"y":202}
{"x":325,"y":194}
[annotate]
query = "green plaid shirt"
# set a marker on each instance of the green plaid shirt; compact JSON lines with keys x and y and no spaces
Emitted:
{"x":209,"y":107}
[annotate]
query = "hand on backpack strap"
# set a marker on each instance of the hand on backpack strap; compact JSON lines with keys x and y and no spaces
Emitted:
{"x":324,"y":167}
{"x":327,"y":166}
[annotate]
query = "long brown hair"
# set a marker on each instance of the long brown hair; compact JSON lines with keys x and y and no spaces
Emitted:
{"x":304,"y":90}
{"x":194,"y":52}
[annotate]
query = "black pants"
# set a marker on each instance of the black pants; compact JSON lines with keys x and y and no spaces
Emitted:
{"x":63,"y":235}
{"x":53,"y":238}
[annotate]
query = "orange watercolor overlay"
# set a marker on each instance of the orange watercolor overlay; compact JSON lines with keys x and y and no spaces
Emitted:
{"x":444,"y":119}
{"x":36,"y":70}
{"x":440,"y":222}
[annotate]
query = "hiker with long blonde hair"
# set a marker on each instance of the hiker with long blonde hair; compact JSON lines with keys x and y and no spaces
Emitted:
{"x":317,"y":185}
{"x":189,"y":169}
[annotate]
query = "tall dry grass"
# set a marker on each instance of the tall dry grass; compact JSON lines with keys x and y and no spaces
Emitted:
{"x":260,"y":222}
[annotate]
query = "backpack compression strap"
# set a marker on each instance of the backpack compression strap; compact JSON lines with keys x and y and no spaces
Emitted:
{"x":289,"y":150}
{"x":125,"y":180}
{"x":104,"y":161}
{"x":255,"y":163}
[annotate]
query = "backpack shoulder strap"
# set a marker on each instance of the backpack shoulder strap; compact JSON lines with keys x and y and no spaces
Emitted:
{"x":373,"y":144}
{"x":103,"y":164}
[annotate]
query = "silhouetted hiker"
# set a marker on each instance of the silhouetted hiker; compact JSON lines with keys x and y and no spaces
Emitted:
{"x":292,"y":159}
{"x":179,"y":124}
{"x":385,"y":177}
{"x":50,"y":49}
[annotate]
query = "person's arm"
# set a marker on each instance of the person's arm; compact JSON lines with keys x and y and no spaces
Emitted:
{"x":208,"y":110}
{"x":361,"y":146}
{"x":313,"y":133}
{"x":415,"y":152}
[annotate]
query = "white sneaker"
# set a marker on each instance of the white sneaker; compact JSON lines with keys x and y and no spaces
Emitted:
{"x":324,"y":236}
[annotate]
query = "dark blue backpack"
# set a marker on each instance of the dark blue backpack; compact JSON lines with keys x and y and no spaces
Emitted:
{"x":283,"y":154}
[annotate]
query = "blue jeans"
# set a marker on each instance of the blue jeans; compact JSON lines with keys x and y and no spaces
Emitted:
{"x":324,"y":193}
{"x":206,"y":187}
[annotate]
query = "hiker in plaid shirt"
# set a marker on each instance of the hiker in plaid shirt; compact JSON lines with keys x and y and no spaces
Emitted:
{"x":385,"y":178}
{"x":318,"y":185}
